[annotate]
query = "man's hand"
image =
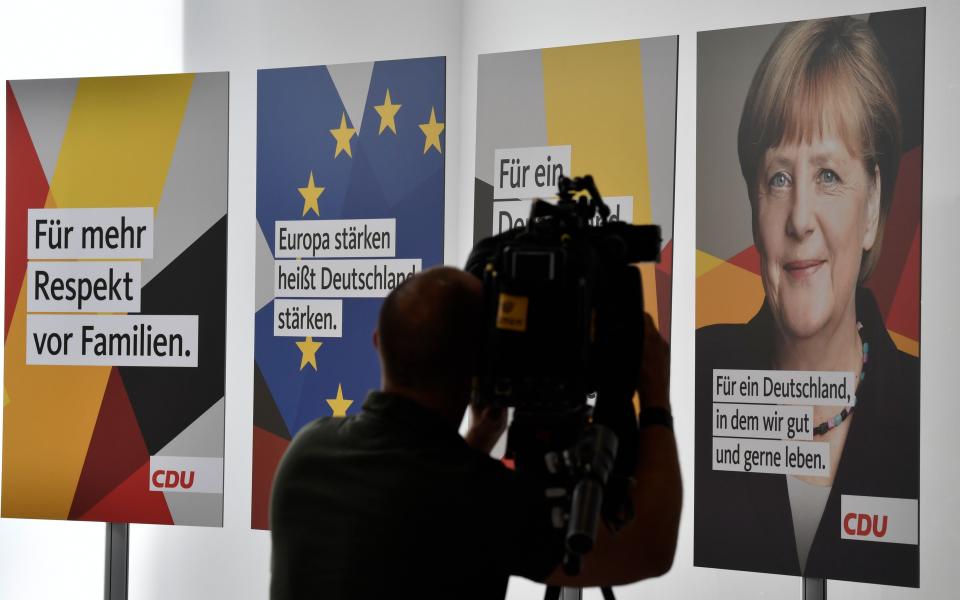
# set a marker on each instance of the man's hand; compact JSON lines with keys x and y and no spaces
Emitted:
{"x":486,"y":427}
{"x":646,"y":546}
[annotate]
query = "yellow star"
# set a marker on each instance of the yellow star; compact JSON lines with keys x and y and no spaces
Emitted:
{"x":339,"y":405}
{"x":310,"y":195}
{"x":309,"y":348}
{"x":343,"y":135}
{"x":387,"y":112}
{"x":431,"y":129}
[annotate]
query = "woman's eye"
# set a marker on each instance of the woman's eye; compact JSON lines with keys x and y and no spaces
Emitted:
{"x":780,"y":180}
{"x":829,"y":177}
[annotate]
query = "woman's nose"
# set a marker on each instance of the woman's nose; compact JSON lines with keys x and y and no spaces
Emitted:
{"x":800,"y":221}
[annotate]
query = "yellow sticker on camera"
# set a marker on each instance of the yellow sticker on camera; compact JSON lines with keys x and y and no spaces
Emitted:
{"x":512,"y":313}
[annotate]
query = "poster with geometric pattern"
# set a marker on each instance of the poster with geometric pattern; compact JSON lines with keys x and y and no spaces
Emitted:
{"x":807,"y":377}
{"x":115,"y":298}
{"x":350,"y":198}
{"x":606,"y":110}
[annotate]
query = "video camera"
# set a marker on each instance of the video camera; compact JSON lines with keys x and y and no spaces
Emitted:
{"x":562,"y":345}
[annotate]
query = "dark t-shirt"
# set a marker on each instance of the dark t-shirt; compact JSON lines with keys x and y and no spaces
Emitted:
{"x":391,"y":502}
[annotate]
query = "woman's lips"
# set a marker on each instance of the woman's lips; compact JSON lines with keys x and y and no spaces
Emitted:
{"x":801,"y":269}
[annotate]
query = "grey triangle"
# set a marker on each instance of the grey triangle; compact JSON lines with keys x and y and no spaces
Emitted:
{"x":353,"y":83}
{"x":45,"y":105}
{"x":264,"y":274}
{"x":203,"y":437}
{"x":510,"y":106}
{"x":195,"y":193}
{"x":658,"y":58}
{"x":195,"y":509}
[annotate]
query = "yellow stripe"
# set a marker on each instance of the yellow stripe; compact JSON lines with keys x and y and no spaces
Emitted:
{"x":47,"y":426}
{"x":120,"y":140}
{"x":116,"y":152}
{"x":593,"y":97}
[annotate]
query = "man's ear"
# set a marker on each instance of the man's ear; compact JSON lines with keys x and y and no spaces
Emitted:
{"x":376,"y":339}
{"x":872,"y":211}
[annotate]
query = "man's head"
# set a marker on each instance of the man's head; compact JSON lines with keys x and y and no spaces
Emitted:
{"x":428,"y":335}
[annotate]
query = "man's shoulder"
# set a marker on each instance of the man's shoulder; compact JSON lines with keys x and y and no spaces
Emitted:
{"x":316,"y":442}
{"x":322,"y":430}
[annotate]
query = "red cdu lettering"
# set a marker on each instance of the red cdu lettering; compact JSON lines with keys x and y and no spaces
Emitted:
{"x":879,"y":531}
{"x":865,"y":525}
{"x":846,"y":523}
{"x":173,"y":478}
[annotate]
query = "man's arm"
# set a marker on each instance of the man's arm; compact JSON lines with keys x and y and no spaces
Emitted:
{"x":646,"y":546}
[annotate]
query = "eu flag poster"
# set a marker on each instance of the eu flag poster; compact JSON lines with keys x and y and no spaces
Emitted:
{"x":350,"y":185}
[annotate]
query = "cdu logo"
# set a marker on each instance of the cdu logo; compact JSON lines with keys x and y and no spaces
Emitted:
{"x":862,"y":525}
{"x":872,"y":519}
{"x":186,"y":474}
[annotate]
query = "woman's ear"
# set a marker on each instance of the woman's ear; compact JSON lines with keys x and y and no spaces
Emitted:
{"x":872,"y":213}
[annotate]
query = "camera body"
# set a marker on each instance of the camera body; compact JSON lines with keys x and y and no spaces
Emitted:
{"x":562,"y":343}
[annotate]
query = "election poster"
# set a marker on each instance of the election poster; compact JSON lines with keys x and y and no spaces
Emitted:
{"x":809,"y":166}
{"x":606,"y":110}
{"x":350,"y":199}
{"x":114,"y":329}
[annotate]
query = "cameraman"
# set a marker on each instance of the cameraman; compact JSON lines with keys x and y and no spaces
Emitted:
{"x":393,"y":502}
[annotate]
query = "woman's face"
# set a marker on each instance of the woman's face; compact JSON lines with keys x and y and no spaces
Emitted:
{"x":816,"y":210}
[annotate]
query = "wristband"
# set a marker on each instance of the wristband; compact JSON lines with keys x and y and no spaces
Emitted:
{"x":655,"y":415}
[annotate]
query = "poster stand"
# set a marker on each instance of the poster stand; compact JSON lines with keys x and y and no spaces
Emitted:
{"x":116,"y":561}
{"x":814,"y":588}
{"x":562,"y":593}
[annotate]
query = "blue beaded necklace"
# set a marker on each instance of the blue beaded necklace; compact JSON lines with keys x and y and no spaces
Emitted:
{"x":835,"y":421}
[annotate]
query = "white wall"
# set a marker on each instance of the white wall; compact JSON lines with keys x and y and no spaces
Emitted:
{"x":64,"y":560}
{"x":502,"y":25}
{"x":64,"y":38}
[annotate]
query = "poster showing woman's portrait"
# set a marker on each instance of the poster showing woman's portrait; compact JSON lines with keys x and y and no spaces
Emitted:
{"x":809,"y":194}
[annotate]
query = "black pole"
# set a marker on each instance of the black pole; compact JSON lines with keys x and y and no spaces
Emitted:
{"x":116,"y":561}
{"x":814,"y":588}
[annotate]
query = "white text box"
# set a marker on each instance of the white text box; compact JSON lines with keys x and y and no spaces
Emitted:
{"x":118,"y":340}
{"x":529,"y":172}
{"x":345,"y":278}
{"x":508,"y":214}
{"x":874,"y":519}
{"x":343,"y":238}
{"x":308,"y":318}
{"x":83,"y":286}
{"x":770,"y":456}
{"x":189,"y":474}
{"x":90,"y":233}
{"x":763,"y":421}
{"x":806,"y":388}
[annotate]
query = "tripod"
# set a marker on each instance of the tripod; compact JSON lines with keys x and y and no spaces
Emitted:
{"x":558,"y":593}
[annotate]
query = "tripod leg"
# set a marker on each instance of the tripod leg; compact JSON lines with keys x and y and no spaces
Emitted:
{"x":607,"y":593}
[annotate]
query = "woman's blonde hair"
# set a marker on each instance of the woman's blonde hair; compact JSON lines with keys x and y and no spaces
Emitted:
{"x":818,"y":75}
